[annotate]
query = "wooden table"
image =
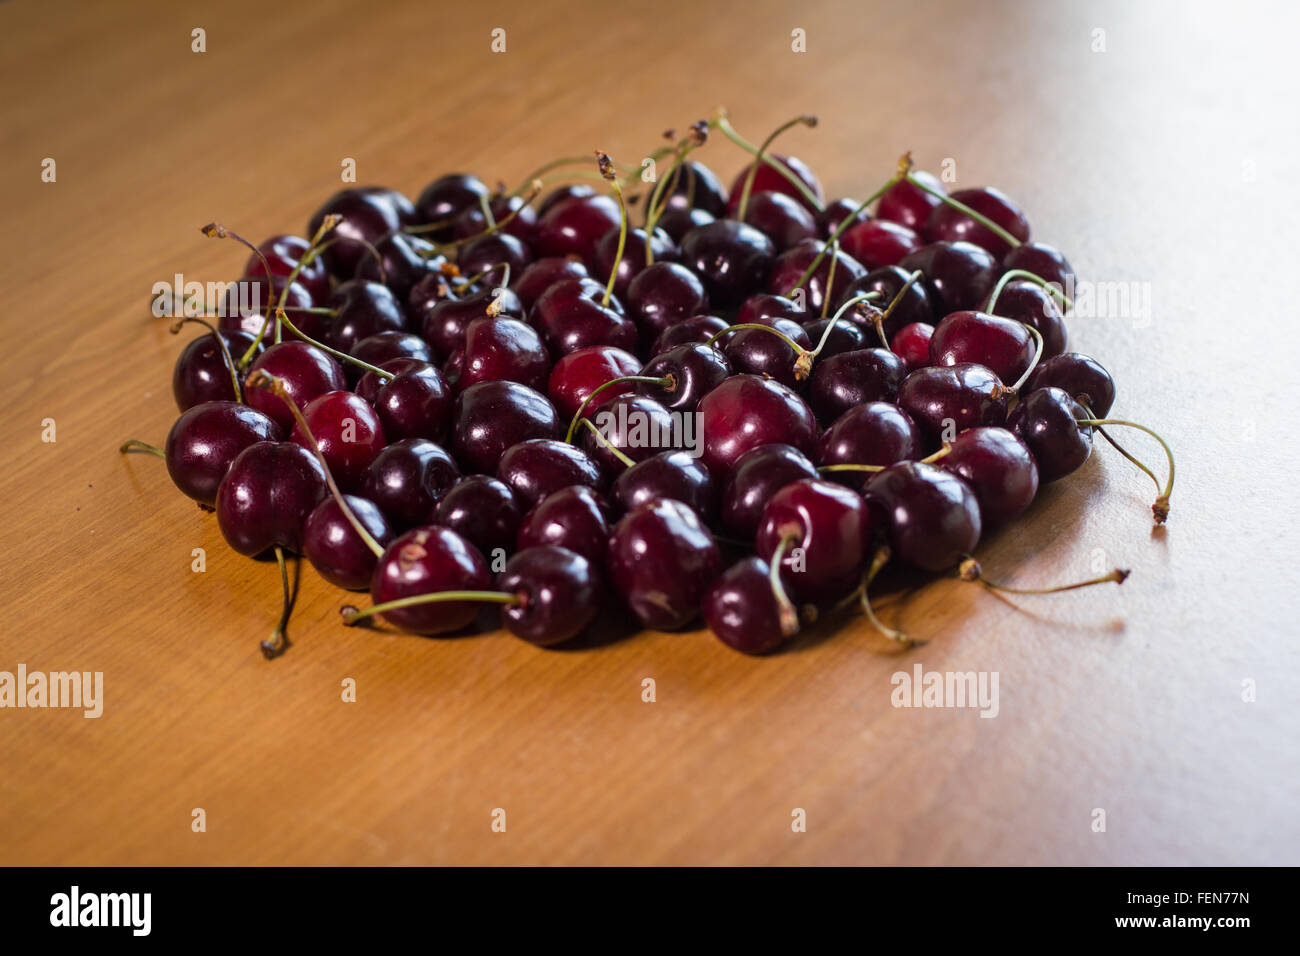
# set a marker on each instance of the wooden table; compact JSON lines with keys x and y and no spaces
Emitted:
{"x":1169,"y":159}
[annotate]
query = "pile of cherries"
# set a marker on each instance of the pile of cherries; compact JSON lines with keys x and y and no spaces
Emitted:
{"x":421,"y":392}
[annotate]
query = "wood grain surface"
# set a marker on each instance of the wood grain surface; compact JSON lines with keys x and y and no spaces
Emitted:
{"x":1168,"y":159}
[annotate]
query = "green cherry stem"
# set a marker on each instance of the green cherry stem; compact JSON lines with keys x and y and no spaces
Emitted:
{"x":351,"y":615}
{"x":893,"y":304}
{"x":658,"y":202}
{"x":133,"y":445}
{"x":610,"y":175}
{"x":878,"y":561}
{"x":849,"y":466}
{"x":534,"y":189}
{"x":723,"y":122}
{"x":805,"y":120}
{"x":279,"y":641}
{"x":668,"y":381}
{"x":966,"y":210}
{"x":541,"y":171}
{"x":1050,"y":288}
{"x":221,"y":344}
{"x":970,"y":570}
{"x":786,"y":611}
{"x":803,"y":364}
{"x":1122,"y":450}
{"x":1161,"y":507}
{"x":1033,"y":364}
{"x":325,"y":228}
{"x":280,"y":316}
{"x":609,"y":447}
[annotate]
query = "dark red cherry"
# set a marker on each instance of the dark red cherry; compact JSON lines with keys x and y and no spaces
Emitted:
{"x":283,"y":254}
{"x":347,"y":432}
{"x":932,"y":516}
{"x":695,"y":369}
{"x":385,"y":347}
{"x":958,"y":275}
{"x":1044,"y":261}
{"x":364,"y":309}
{"x":781,"y":219}
{"x":1079,"y":376}
{"x":767,"y":309}
{"x":414,"y":403}
{"x":407,"y":478}
{"x":662,"y":560}
{"x":490,"y":256}
{"x":541,"y":275}
{"x":767,"y":179}
{"x":732,"y":259}
{"x":576,"y":518}
{"x":852,"y":378}
{"x":1004,"y":346}
{"x":503,"y":349}
{"x":794,"y":262}
{"x":1028,"y":302}
{"x":483,"y":511}
{"x":521,"y":227}
{"x":669,"y":474}
{"x":579,"y":373}
{"x":909,"y":205}
{"x":265,"y":498}
{"x":491,"y":416}
{"x":742,"y":611}
{"x":574,"y":226}
{"x":834,"y":213}
{"x":633,"y":261}
{"x":446,"y":198}
{"x":695,"y":186}
{"x":759,"y":474}
{"x":876,"y":433}
{"x":757,"y":352}
{"x":914,"y":305}
{"x":698,"y":328}
{"x":948,"y":224}
{"x":202,"y":374}
{"x":746,"y":411}
{"x":367,"y":218}
{"x":845,"y":336}
{"x":946,"y":400}
{"x":335,"y":549}
{"x":570,"y":316}
{"x":399,"y":266}
{"x":307,"y":373}
{"x":911,"y":343}
{"x":880,"y":243}
{"x":635,"y":425}
{"x":425,"y":561}
{"x":664,"y":294}
{"x":249,"y":304}
{"x":1047,"y":421}
{"x":828,"y":530}
{"x":446,"y":321}
{"x":205,"y":440}
{"x":535,"y":468}
{"x":999,"y":469}
{"x":562,"y":193}
{"x":397,"y":203}
{"x":678,"y":221}
{"x":557,"y":593}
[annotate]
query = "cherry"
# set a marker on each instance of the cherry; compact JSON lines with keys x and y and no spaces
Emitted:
{"x":503,"y":349}
{"x":446,"y":198}
{"x":576,"y":518}
{"x":698,"y":328}
{"x":662,"y":295}
{"x":491,"y":416}
{"x":794,"y":263}
{"x":577,"y":375}
{"x":399,"y":265}
{"x":662,"y":560}
{"x":521,"y":226}
{"x":932,"y":516}
{"x":695,"y":370}
{"x":1004,"y":346}
{"x":494,"y":257}
{"x":414,"y":403}
{"x":535,"y":468}
{"x":306,"y":371}
{"x":999,"y":469}
{"x":574,"y":226}
{"x":562,"y":193}
{"x":852,"y":378}
{"x":730,"y":258}
{"x":363,"y":309}
{"x":633,"y":261}
{"x":366,"y":218}
{"x":695,"y":186}
{"x":958,"y":275}
{"x":540,"y":275}
{"x":746,"y":411}
{"x":335,"y":549}
{"x":424,"y":561}
{"x":570,"y":316}
{"x":669,"y":474}
{"x":1081,"y":377}
{"x":249,"y":304}
{"x":949,"y":224}
{"x":678,"y":221}
{"x":283,"y":254}
{"x":759,"y":474}
{"x":845,"y":336}
{"x":742,"y":610}
{"x":911,"y":303}
{"x":1029,"y":303}
{"x":556,"y":594}
{"x":946,"y":400}
{"x":205,"y":440}
{"x":265,"y":498}
{"x":445,"y":322}
{"x":202,"y":370}
{"x":768,"y":179}
{"x":482,"y":510}
{"x":876,"y":434}
{"x":397,"y":203}
{"x":348,"y":433}
{"x":833,"y":215}
{"x":880,"y":243}
{"x":628,"y":428}
{"x":781,"y":218}
{"x":821,"y":530}
{"x":1047,"y":420}
{"x":911,"y":343}
{"x":384,"y":347}
{"x":771,"y":310}
{"x":1042,"y":260}
{"x":407,"y":478}
{"x":907,"y":204}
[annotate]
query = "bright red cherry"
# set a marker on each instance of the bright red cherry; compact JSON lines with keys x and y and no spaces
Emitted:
{"x":1003,"y":346}
{"x":579,"y":373}
{"x":911,"y":343}
{"x":880,"y":243}
{"x":746,"y":411}
{"x":949,"y":224}
{"x":909,"y":205}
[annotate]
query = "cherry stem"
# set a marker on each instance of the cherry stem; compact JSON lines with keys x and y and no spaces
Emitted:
{"x":628,"y":462}
{"x":262,"y":379}
{"x":485,"y":206}
{"x":1038,"y":354}
{"x":668,"y":381}
{"x":215,"y":230}
{"x":741,"y":326}
{"x":878,"y":561}
{"x":843,"y":227}
{"x":849,"y":466}
{"x":1120,"y":448}
{"x":479,"y":276}
{"x":327,"y":225}
{"x":787,"y":613}
{"x":279,"y":641}
{"x":610,"y":175}
{"x":221,"y":344}
{"x":803,"y":364}
{"x":1050,"y":288}
{"x":541,"y":171}
{"x":830,"y":279}
{"x":893,"y":304}
{"x":805,"y":120}
{"x":970,"y":570}
{"x":280,"y":316}
{"x":723,"y":122}
{"x":658,"y":200}
{"x":966,"y":210}
{"x":351,"y":615}
{"x":534,"y":189}
{"x":133,"y":445}
{"x":1161,"y":507}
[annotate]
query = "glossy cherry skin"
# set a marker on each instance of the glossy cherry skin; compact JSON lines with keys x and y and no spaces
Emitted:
{"x":678,"y":221}
{"x":307,"y":373}
{"x":633,"y":261}
{"x":250,"y":303}
{"x":746,"y":411}
{"x":914,"y":305}
{"x":535,"y":468}
{"x":876,"y":433}
{"x":396,"y":202}
{"x":482,"y":510}
{"x":957,"y":275}
{"x":1004,"y":346}
{"x":830,"y":524}
{"x":911,"y":343}
{"x":384,"y":347}
{"x":491,"y":416}
{"x":999,"y":469}
{"x":415,"y":403}
{"x":578,"y":374}
{"x":558,"y":594}
{"x":521,"y":227}
{"x":542,"y":274}
{"x":852,"y":378}
{"x":366,"y":217}
{"x":662,"y":295}
{"x":698,"y":328}
{"x":406,"y":479}
{"x":201,"y":373}
{"x":446,"y":321}
{"x":499,"y":349}
{"x":946,"y":400}
{"x":205,"y":440}
{"x":741,"y":610}
{"x":951,"y":225}
{"x":759,"y":474}
{"x":835,"y":212}
{"x":845,"y":336}
{"x":283,"y":254}
{"x":1047,"y":421}
{"x":570,"y":316}
{"x":574,"y":226}
{"x":756,"y":352}
{"x":424,"y":561}
{"x":335,"y":549}
{"x":662,"y":560}
{"x":732,"y":259}
{"x":1030,"y":303}
{"x":1081,"y":377}
{"x":636,"y":425}
{"x":772,"y":310}
{"x":400,"y":264}
{"x":446,"y":198}
{"x":347,"y":432}
{"x":669,"y":474}
{"x":265,"y":498}
{"x":794,"y":262}
{"x":932,"y":516}
{"x":909,"y":205}
{"x":880,"y":243}
{"x":780,"y":218}
{"x":695,"y":186}
{"x":489,"y":257}
{"x":1044,"y":261}
{"x":767,"y":179}
{"x":695,"y":369}
{"x":364,"y":309}
{"x":576,"y":518}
